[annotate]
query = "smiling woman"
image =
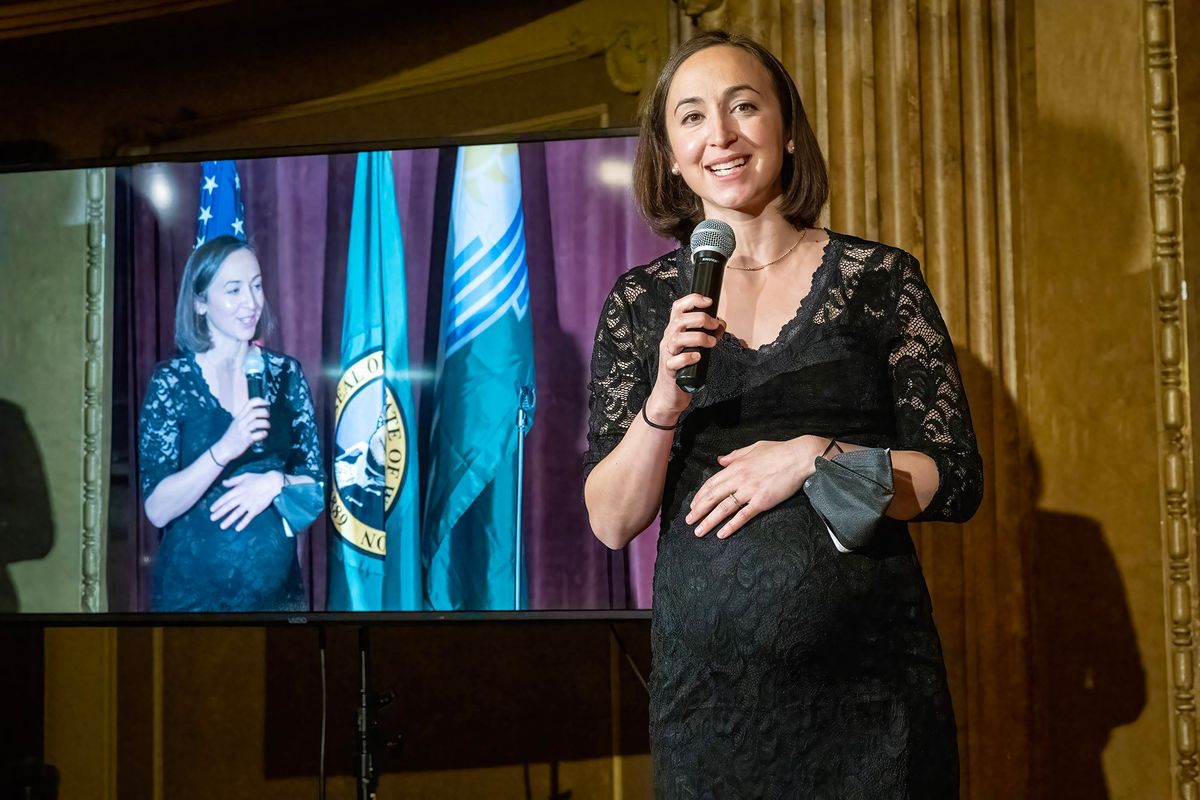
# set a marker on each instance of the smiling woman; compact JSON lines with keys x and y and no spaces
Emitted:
{"x":219,"y":462}
{"x":795,"y":651}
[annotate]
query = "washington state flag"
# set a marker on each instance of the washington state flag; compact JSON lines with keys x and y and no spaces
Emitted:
{"x":375,"y":555}
{"x":484,"y":362}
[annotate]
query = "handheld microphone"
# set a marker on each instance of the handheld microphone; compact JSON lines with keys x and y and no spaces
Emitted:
{"x":254,"y":367}
{"x":712,"y":245}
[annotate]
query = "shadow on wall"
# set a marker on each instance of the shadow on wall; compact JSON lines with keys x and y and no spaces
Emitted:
{"x":1087,"y":669}
{"x":26,"y":523}
{"x":1086,"y":675}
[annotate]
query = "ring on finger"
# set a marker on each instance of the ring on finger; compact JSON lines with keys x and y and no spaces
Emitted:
{"x":736,"y":502}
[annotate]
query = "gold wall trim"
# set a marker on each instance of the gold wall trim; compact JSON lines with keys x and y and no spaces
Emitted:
{"x":50,"y":16}
{"x":596,"y":116}
{"x":632,"y":55}
{"x":1175,"y":472}
{"x":95,"y":409}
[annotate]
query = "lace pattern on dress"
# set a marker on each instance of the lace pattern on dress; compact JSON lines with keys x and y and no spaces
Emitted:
{"x":863,"y":284}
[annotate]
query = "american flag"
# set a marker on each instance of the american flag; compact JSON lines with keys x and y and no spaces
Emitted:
{"x":221,"y":210}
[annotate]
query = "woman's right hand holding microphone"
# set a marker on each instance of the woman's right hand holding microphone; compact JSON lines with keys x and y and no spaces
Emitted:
{"x":688,"y":327}
{"x":249,"y":426}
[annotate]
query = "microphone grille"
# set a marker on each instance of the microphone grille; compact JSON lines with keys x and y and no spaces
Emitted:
{"x":253,"y":365}
{"x":713,"y":234}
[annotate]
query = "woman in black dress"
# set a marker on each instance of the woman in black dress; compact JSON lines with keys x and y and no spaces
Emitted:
{"x":222,"y":471}
{"x":785,"y":664}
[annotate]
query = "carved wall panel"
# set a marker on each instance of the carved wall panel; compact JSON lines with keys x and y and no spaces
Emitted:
{"x":1176,"y":467}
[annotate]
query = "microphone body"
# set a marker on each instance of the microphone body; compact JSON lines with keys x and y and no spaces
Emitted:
{"x":255,"y":369}
{"x":712,"y":244}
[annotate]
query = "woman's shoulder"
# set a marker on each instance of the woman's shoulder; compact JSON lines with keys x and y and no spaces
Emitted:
{"x":653,"y":279}
{"x":871,"y":254}
{"x":173,"y":369}
{"x":280,"y":362}
{"x":283,"y":365}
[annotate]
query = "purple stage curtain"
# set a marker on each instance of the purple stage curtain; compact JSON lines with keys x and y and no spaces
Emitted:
{"x":581,"y":233}
{"x":596,"y":235}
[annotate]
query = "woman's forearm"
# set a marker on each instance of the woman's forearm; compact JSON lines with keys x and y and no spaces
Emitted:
{"x":177,"y":493}
{"x":624,"y":491}
{"x":914,"y":481}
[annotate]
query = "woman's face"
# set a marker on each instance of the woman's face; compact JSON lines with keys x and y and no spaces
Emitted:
{"x":234,"y":300}
{"x":725,"y":128}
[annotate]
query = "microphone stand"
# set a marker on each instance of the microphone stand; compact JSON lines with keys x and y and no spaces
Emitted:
{"x":528,"y":401}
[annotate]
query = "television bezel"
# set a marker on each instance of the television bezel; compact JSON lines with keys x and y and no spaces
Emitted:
{"x":105,"y":619}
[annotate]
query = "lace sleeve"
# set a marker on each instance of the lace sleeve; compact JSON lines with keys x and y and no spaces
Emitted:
{"x":619,"y":384}
{"x":305,"y":455}
{"x":158,"y":434}
{"x":931,"y":405}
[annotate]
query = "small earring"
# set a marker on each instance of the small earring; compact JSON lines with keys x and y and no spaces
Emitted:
{"x":791,"y":147}
{"x":674,"y":169}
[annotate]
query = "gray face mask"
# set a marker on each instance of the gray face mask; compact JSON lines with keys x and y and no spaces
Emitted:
{"x":850,"y":493}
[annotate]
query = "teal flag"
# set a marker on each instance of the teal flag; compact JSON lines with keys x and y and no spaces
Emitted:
{"x":485,"y":360}
{"x":375,"y":558}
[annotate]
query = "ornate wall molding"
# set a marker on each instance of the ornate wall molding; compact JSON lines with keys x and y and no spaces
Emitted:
{"x":596,"y":116}
{"x":51,"y":16}
{"x":1173,"y":390}
{"x":95,"y":403}
{"x":698,"y":8}
{"x":632,"y":55}
{"x":633,"y":49}
{"x":389,"y":90}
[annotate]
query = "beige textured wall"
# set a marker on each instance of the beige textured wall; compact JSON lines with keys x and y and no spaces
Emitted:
{"x":1090,"y":403}
{"x":43,"y":261}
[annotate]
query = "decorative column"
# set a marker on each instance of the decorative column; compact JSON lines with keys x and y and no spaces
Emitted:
{"x":1176,"y":467}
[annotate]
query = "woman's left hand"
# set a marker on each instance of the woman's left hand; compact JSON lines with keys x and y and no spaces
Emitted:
{"x":249,"y":495}
{"x":753,"y":479}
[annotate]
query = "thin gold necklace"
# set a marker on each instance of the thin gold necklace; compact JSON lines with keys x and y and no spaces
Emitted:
{"x":787,"y":253}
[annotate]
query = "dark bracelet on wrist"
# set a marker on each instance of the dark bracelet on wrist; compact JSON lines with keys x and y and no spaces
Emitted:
{"x":655,"y":424}
{"x":214,"y":458}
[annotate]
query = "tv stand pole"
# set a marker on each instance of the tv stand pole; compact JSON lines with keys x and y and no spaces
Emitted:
{"x":366,"y":760}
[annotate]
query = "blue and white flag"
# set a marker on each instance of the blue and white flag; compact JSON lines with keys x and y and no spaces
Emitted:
{"x":485,"y":361}
{"x":221,"y":211}
{"x":375,"y":562}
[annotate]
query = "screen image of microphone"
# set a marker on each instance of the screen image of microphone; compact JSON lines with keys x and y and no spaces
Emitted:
{"x":254,"y":367}
{"x":712,"y":244}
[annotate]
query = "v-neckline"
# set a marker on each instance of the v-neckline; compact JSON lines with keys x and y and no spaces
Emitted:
{"x":798,"y":321}
{"x":207,"y":387}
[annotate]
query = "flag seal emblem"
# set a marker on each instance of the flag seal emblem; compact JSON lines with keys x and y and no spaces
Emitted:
{"x":371,"y":446}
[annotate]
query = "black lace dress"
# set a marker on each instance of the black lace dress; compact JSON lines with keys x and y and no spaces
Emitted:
{"x":198,"y":566}
{"x":782,"y":667}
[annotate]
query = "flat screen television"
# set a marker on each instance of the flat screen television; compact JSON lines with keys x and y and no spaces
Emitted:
{"x":426,"y":380}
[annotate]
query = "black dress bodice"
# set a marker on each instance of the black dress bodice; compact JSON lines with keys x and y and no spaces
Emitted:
{"x":198,"y":566}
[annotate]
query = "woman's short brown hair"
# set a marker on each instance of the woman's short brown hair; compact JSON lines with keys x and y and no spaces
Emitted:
{"x":672,"y":208}
{"x":191,"y":328}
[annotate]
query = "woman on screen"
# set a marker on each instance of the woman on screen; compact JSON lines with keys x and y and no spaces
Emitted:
{"x":222,"y":471}
{"x":794,"y":648}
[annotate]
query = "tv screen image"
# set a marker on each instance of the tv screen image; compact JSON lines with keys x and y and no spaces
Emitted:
{"x":424,"y":383}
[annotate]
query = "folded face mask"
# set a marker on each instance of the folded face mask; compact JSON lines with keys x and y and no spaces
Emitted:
{"x":850,"y":494}
{"x":299,"y":504}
